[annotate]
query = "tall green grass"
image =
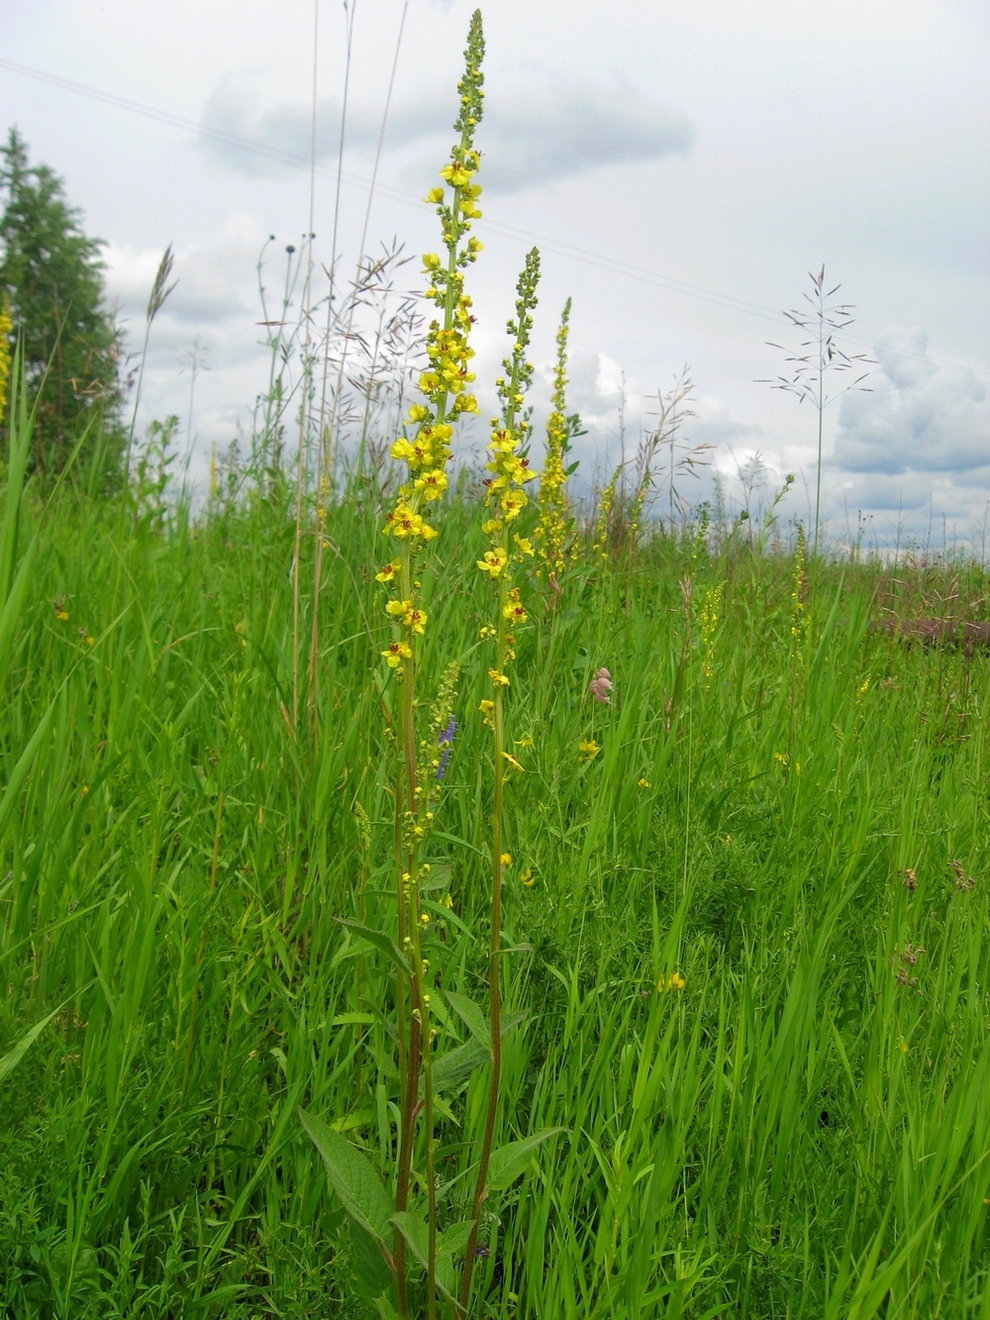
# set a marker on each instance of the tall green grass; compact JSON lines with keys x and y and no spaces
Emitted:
{"x":801,"y":1130}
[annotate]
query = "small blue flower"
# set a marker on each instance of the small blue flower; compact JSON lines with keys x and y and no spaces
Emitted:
{"x":445,"y":741}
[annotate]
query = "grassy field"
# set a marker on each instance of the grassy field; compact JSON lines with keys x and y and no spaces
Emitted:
{"x":749,"y":966}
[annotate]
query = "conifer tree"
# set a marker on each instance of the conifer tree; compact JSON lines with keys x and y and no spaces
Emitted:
{"x":51,"y":277}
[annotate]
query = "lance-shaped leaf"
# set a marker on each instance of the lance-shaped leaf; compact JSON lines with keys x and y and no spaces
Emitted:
{"x":472,"y":1017}
{"x":512,"y":1160}
{"x":353,"y":1178}
{"x":379,"y":940}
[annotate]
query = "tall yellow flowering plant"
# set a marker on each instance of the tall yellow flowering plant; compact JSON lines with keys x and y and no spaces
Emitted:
{"x":555,"y":524}
{"x":6,"y":328}
{"x":505,"y":500}
{"x":400,"y":1235}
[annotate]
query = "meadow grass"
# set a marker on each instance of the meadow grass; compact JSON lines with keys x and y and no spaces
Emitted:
{"x":712,"y":850}
{"x":801,"y":1128}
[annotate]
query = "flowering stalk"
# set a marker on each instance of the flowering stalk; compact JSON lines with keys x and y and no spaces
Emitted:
{"x":445,"y":395}
{"x":6,"y":329}
{"x":555,"y":524}
{"x":505,"y":500}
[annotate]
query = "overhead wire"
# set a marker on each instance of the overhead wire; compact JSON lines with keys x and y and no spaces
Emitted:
{"x":602,"y":261}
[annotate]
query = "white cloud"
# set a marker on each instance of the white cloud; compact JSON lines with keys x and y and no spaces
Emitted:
{"x":543,"y":129}
{"x":555,"y":128}
{"x":918,"y":417}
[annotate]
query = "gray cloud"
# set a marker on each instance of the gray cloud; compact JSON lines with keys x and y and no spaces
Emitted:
{"x":260,"y":143}
{"x":919,"y":417}
{"x":556,"y":130}
{"x":547,"y":129}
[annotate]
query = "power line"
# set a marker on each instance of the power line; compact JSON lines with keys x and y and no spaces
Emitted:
{"x":588,"y":257}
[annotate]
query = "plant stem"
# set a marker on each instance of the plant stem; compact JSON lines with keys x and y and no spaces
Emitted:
{"x":494,"y":965}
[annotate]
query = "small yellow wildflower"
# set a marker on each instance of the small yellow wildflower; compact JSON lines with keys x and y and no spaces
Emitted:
{"x":506,"y":859}
{"x":396,"y":652}
{"x":524,"y":741}
{"x":527,"y":878}
{"x":673,"y":982}
{"x":589,"y":749}
{"x":493,"y":562}
{"x":62,"y":615}
{"x":513,"y":609}
{"x":388,"y":572}
{"x":513,"y":762}
{"x":432,"y":484}
{"x":644,"y":783}
{"x":500,"y":680}
{"x":903,"y":1046}
{"x":90,"y":641}
{"x":415,"y":619}
{"x":85,"y":789}
{"x":524,"y":546}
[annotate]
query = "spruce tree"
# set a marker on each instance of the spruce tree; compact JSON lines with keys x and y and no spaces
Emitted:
{"x":52,"y":276}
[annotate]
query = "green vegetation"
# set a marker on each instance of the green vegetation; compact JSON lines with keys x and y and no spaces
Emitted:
{"x":51,"y":288}
{"x":630,"y":963}
{"x":802,"y":1128}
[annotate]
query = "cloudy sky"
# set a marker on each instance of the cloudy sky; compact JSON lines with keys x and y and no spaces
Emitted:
{"x":682,"y":169}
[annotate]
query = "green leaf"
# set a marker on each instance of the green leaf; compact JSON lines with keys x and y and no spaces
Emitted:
{"x":385,"y":1309}
{"x":372,"y":1274}
{"x":24,"y":764}
{"x":353,"y":1178}
{"x":415,"y":1232}
{"x":455,"y":1238}
{"x":379,"y":940}
{"x":471,"y":1015}
{"x":512,"y":1160}
{"x":454,"y":1067}
{"x":13,"y":1057}
{"x":417,"y":1236}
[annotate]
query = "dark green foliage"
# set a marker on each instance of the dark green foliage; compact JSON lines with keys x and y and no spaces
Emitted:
{"x":51,"y":273}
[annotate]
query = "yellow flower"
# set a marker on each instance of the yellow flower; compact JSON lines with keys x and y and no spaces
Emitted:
{"x":513,"y":609}
{"x":403,"y":522}
{"x":506,"y":859}
{"x":513,"y":762}
{"x":430,"y":259}
{"x":644,"y":783}
{"x":493,"y":562}
{"x":90,"y":641}
{"x":62,"y":615}
{"x":500,"y":680}
{"x":589,"y":749}
{"x":673,"y":982}
{"x":903,"y":1046}
{"x":524,"y":741}
{"x":388,"y":572}
{"x":527,"y":878}
{"x":432,"y":484}
{"x":398,"y":607}
{"x":396,"y":652}
{"x":415,"y":619}
{"x":524,"y":545}
{"x":487,"y":708}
